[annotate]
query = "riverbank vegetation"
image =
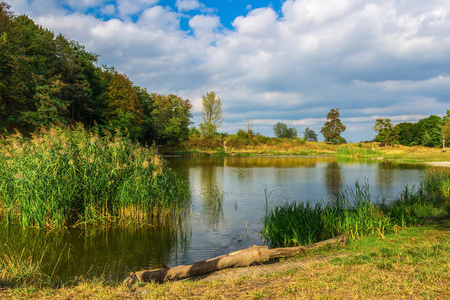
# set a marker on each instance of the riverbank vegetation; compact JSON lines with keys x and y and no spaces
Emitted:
{"x":410,"y":263}
{"x":71,"y":177}
{"x":355,"y":214}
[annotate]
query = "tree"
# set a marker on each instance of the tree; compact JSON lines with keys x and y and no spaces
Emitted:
{"x":171,"y":118}
{"x":123,"y":109}
{"x":407,"y":133}
{"x":333,"y":128}
{"x":386,"y":131}
{"x":430,"y":131}
{"x":281,"y":130}
{"x":309,"y":135}
{"x":446,"y":127}
{"x":211,"y":114}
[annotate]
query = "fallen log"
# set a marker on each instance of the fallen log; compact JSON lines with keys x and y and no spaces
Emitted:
{"x":242,"y":258}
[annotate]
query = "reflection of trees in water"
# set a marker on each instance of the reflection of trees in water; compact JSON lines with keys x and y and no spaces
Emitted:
{"x":112,"y":252}
{"x":212,"y":196}
{"x":384,"y":176}
{"x":333,"y":179}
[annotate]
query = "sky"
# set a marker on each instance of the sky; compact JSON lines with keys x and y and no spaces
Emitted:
{"x":272,"y":61}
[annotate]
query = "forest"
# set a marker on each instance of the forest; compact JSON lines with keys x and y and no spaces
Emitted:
{"x":48,"y":79}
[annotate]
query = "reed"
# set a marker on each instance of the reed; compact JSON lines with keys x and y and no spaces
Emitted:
{"x":356,"y":215}
{"x":67,"y":177}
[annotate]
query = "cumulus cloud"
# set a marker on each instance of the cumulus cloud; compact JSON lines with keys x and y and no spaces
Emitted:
{"x":368,"y":58}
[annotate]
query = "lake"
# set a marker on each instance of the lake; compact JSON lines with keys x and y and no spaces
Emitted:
{"x":228,"y":201}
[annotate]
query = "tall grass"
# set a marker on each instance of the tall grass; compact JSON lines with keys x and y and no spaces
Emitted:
{"x":64,"y":177}
{"x":354,"y":214}
{"x":357,"y":152}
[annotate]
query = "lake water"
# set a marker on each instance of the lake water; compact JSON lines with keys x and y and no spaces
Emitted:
{"x":209,"y":225}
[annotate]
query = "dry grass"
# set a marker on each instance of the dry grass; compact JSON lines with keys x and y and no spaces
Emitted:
{"x":415,"y":264}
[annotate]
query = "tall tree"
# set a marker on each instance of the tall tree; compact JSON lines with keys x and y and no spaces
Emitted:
{"x":386,"y":132}
{"x":281,"y":130}
{"x":309,"y":135}
{"x":333,"y":128}
{"x":123,"y":109}
{"x":211,"y":114}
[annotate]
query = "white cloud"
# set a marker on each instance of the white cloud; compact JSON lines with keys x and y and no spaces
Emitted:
{"x":187,"y":5}
{"x":367,"y":57}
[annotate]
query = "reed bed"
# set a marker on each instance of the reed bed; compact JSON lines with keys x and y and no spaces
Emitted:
{"x":356,"y":215}
{"x":67,"y":177}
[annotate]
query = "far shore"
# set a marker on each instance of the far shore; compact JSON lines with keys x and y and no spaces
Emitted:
{"x":439,"y":163}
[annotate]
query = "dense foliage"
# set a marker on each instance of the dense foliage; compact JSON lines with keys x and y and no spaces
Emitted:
{"x":281,"y":130}
{"x":62,"y":177}
{"x":46,"y":79}
{"x":426,"y":132}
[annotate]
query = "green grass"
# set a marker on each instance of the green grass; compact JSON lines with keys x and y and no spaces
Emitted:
{"x":61,"y":177}
{"x":357,"y":152}
{"x":355,"y":215}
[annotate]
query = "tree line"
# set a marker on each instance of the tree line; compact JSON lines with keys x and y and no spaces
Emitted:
{"x":47,"y":79}
{"x":429,"y":132}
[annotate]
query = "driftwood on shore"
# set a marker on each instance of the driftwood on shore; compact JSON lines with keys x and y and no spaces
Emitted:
{"x":242,"y":258}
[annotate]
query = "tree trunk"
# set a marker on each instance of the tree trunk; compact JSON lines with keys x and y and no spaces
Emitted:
{"x":242,"y":258}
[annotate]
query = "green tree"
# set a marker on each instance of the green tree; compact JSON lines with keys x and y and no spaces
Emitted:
{"x":211,"y":114}
{"x":50,"y":109}
{"x":407,"y":133}
{"x":430,"y":131}
{"x":171,"y":117}
{"x":386,"y":132}
{"x":333,"y":128}
{"x":281,"y":130}
{"x":123,"y":109}
{"x":309,"y":135}
{"x":446,"y":127}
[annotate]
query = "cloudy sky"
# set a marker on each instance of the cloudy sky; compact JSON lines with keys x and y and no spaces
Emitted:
{"x":273,"y":61}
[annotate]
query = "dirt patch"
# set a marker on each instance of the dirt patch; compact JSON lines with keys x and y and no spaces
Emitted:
{"x":439,"y":164}
{"x":271,"y":267}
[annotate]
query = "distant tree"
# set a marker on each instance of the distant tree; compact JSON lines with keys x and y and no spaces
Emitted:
{"x":446,"y":127}
{"x":211,"y":114}
{"x":407,"y":133}
{"x":430,"y":131}
{"x":386,"y":132}
{"x":333,"y":128}
{"x":281,"y":130}
{"x":309,"y":135}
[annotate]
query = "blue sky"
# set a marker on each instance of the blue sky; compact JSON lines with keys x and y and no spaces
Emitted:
{"x":273,"y":61}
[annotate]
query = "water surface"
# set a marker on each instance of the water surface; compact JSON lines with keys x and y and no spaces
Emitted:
{"x":208,"y":226}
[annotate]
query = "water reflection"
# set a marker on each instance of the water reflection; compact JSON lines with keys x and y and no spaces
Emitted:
{"x":112,"y":252}
{"x":333,"y":179}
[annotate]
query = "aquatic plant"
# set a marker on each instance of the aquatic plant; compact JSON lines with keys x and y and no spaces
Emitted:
{"x":354,"y":214}
{"x":65,"y":177}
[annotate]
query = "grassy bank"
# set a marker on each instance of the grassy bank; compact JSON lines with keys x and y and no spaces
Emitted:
{"x":70,"y":177}
{"x":410,"y":264}
{"x":259,"y":145}
{"x":354,"y":214}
